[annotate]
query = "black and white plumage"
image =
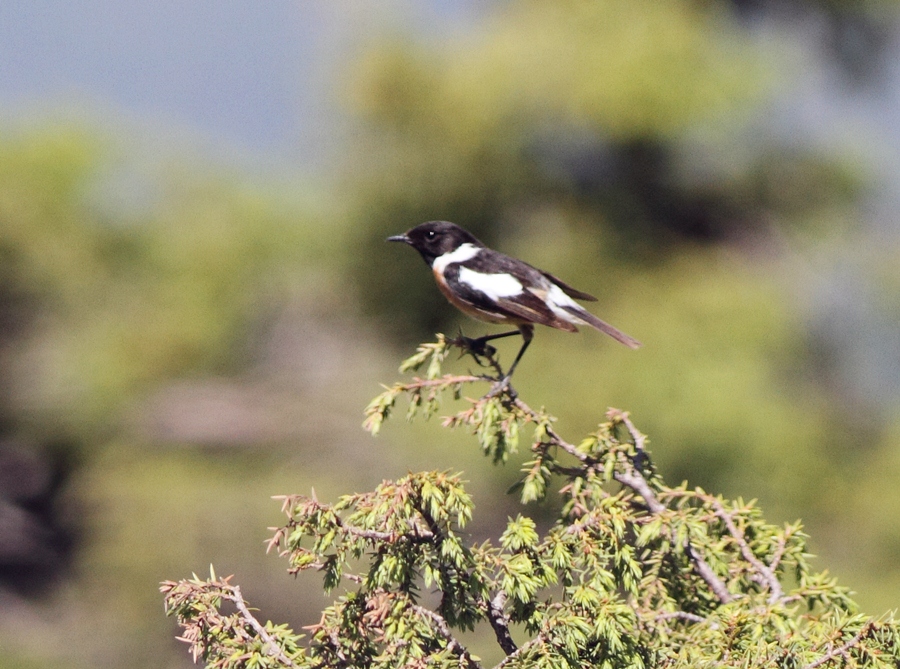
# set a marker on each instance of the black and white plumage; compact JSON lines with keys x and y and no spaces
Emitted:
{"x":493,"y":287}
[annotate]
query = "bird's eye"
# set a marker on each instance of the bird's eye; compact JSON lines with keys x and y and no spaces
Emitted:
{"x":430,"y":235}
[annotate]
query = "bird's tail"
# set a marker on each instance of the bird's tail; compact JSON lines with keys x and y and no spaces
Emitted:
{"x":604,"y":327}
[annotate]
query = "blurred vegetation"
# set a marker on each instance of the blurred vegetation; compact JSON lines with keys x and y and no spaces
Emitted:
{"x":118,"y":276}
{"x":107,"y":301}
{"x":177,"y":338}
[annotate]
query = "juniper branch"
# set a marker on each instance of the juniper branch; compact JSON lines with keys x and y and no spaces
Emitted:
{"x":444,"y":630}
{"x":779,"y":551}
{"x":633,"y":479}
{"x":235,"y":597}
{"x":764,"y":574}
{"x":499,"y":621}
{"x":638,"y":483}
{"x":834,"y":653}
{"x":681,"y":615}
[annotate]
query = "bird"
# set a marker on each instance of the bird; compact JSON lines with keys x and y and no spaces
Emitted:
{"x":496,"y":288}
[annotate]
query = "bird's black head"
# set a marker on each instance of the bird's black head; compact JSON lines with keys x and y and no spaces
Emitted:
{"x":435,"y":238}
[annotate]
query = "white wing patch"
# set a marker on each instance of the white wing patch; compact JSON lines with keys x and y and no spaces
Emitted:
{"x":557,"y":300}
{"x":494,"y":286}
{"x":459,"y":254}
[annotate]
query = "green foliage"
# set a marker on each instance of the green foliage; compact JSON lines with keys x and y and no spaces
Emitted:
{"x":225,"y":641}
{"x":632,"y":572}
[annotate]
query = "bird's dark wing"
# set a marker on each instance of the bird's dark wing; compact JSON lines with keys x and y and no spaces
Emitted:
{"x":522,"y":307}
{"x":530,"y":276}
{"x":530,"y":307}
{"x":568,"y":290}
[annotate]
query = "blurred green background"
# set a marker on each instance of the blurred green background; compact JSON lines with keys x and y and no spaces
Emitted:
{"x":196,"y":302}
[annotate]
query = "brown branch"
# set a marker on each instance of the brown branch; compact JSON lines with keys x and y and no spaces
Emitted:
{"x":706,"y":572}
{"x":318,"y":565}
{"x":415,"y":533}
{"x":554,"y":437}
{"x":634,"y":480}
{"x":631,"y":478}
{"x":336,"y":645}
{"x":639,"y":438}
{"x":233,"y":594}
{"x":764,"y":574}
{"x":779,"y":551}
{"x":842,"y":650}
{"x":444,"y":629}
{"x":539,"y":639}
{"x":390,"y":537}
{"x":681,"y":615}
{"x":499,"y":621}
{"x":419,"y":383}
{"x":372,"y":535}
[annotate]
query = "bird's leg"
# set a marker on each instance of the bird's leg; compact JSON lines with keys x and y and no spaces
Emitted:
{"x":479,"y":347}
{"x":527,"y":332}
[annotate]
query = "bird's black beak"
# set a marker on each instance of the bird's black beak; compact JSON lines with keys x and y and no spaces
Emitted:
{"x":399,"y":238}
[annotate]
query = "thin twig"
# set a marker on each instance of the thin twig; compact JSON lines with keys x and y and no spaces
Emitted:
{"x":552,"y":435}
{"x":418,"y":383}
{"x":779,"y":552}
{"x":539,"y":639}
{"x":634,"y":480}
{"x":233,"y":594}
{"x":639,"y":438}
{"x":841,"y":650}
{"x":706,"y":572}
{"x":444,"y":629}
{"x":318,"y":565}
{"x":416,"y":533}
{"x":766,"y":574}
{"x":681,"y":615}
{"x":631,"y":478}
{"x":336,"y":644}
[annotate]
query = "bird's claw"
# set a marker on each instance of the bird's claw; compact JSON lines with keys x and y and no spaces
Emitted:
{"x":477,"y":348}
{"x":480,"y":347}
{"x":483,"y":353}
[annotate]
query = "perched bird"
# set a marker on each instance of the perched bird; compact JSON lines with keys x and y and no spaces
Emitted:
{"x":493,"y":287}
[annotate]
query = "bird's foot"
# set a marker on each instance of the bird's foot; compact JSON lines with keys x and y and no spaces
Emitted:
{"x":484,"y":354}
{"x":477,"y":348}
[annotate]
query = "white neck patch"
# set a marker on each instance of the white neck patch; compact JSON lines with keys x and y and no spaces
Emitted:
{"x":462,"y":253}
